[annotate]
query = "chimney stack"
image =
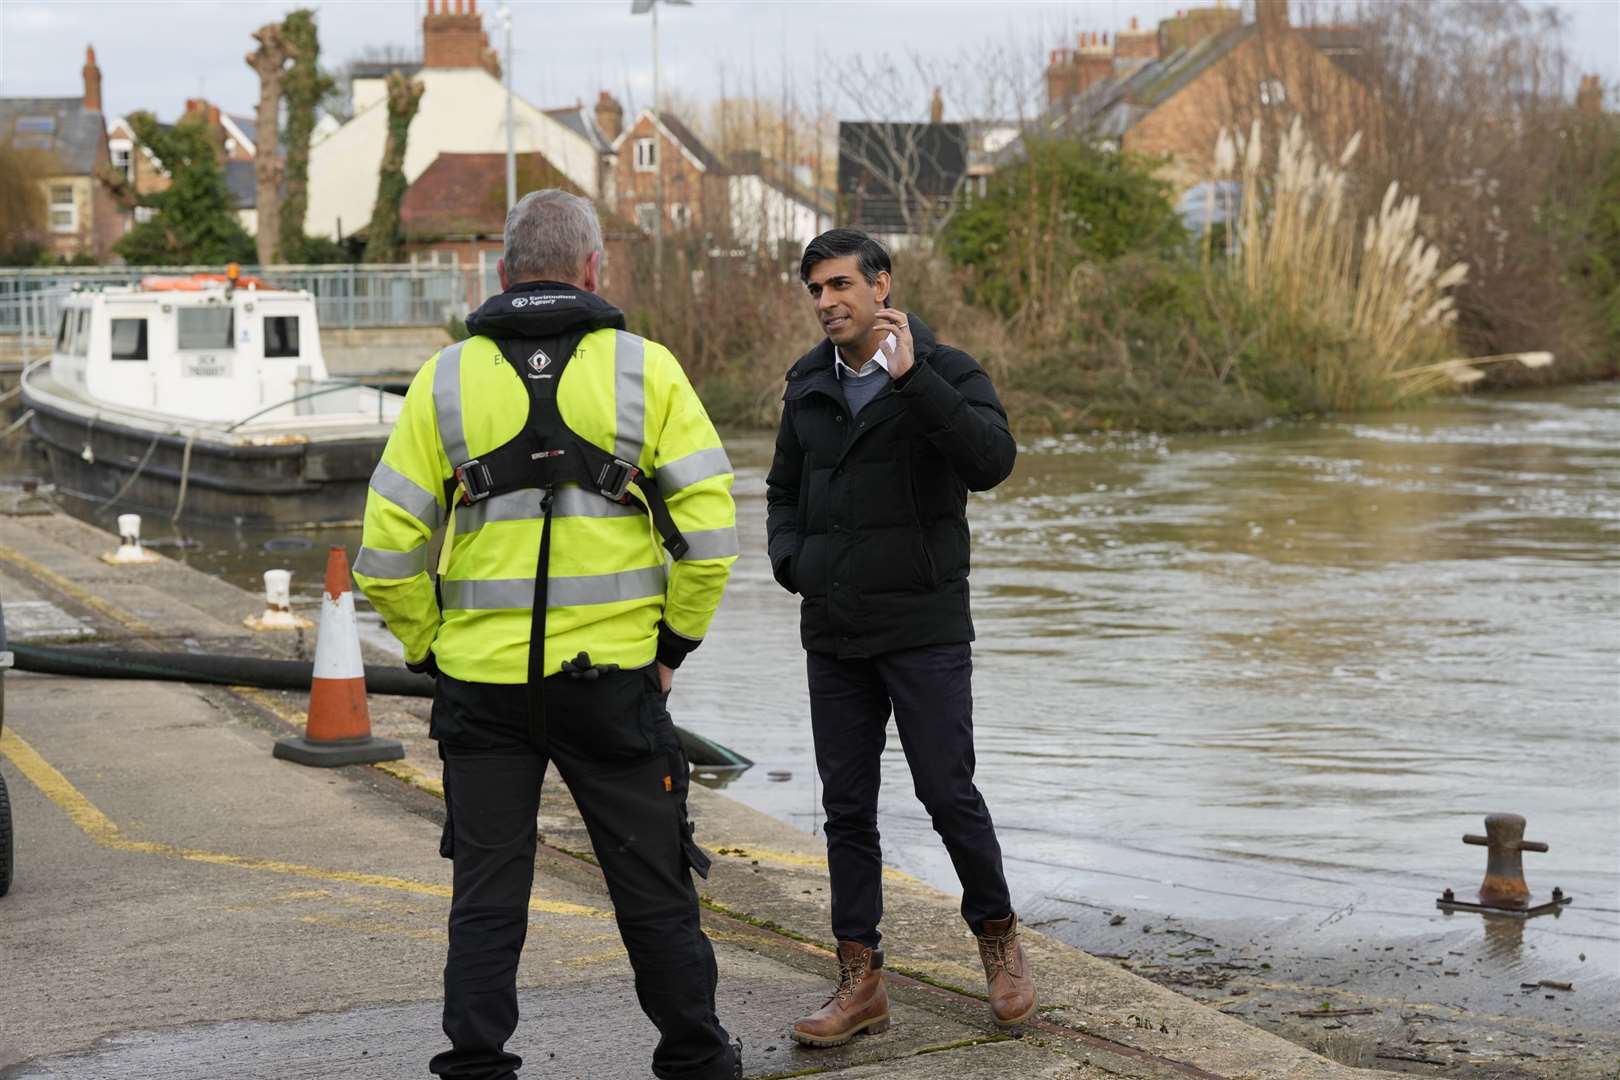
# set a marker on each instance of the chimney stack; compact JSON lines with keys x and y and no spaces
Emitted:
{"x":456,"y":39}
{"x":1589,"y":98}
{"x":1271,"y":16}
{"x":1136,"y":44}
{"x":609,"y":116}
{"x":92,"y":80}
{"x":936,"y":108}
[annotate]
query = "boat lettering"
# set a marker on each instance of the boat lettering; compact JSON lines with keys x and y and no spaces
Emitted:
{"x":206,"y":365}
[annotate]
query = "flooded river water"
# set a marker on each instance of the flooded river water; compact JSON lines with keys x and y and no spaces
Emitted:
{"x":1251,"y":689}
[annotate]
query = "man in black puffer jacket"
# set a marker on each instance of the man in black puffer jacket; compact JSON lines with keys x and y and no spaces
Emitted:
{"x":884,"y":432}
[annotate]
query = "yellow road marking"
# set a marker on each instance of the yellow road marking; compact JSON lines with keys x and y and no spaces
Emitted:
{"x":404,"y":770}
{"x":78,"y":592}
{"x":105,"y":832}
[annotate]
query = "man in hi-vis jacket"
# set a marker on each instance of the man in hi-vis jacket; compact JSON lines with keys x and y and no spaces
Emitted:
{"x":570,"y":461}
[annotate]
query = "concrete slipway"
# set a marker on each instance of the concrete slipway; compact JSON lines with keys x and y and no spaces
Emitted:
{"x":187,"y":906}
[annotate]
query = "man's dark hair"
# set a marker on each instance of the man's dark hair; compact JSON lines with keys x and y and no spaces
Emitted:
{"x":870,"y":255}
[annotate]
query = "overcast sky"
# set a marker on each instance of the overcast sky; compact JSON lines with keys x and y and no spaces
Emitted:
{"x":155,"y":55}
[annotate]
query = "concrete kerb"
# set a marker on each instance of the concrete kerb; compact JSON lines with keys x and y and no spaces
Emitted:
{"x":769,"y":884}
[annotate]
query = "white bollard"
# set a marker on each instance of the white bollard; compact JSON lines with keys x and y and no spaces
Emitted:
{"x":129,"y":543}
{"x":277,"y":605}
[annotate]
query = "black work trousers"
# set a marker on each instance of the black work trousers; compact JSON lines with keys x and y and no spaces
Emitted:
{"x":930,"y":690}
{"x":615,"y":746}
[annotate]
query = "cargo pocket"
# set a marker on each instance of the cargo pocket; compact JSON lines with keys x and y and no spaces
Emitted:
{"x":447,"y":839}
{"x":680,"y":773}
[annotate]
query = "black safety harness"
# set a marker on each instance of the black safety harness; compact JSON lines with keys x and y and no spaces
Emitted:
{"x":545,"y":453}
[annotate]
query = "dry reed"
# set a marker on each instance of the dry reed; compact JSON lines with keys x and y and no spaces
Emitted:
{"x":1381,"y":298}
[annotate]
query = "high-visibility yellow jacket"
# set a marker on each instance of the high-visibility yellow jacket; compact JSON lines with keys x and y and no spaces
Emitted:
{"x":610,"y":592}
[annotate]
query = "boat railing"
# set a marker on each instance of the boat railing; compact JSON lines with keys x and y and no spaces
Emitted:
{"x":326,"y":386}
{"x":347,"y":296}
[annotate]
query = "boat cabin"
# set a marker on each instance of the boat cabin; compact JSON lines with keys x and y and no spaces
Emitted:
{"x":202,"y":351}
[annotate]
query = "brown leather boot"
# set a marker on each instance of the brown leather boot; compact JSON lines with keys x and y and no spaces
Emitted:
{"x":861,"y":1002}
{"x":1012,"y":990}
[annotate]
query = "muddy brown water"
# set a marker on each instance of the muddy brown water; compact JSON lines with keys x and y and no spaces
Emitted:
{"x":1249,"y":691}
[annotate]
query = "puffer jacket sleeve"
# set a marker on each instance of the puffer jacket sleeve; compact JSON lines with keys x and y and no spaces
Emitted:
{"x":782,"y":501}
{"x":961,"y":416}
{"x":694,"y":476}
{"x":404,"y":508}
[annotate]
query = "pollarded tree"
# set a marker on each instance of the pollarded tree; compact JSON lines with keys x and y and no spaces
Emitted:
{"x":270,"y":61}
{"x":382,"y":238}
{"x":304,"y":86}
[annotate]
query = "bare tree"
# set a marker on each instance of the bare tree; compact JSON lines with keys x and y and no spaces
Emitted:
{"x":270,"y":61}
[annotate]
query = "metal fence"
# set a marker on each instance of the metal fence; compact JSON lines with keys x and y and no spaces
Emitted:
{"x":346,"y":296}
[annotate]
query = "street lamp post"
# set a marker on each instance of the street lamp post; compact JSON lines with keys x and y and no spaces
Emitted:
{"x":511,"y":151}
{"x":646,"y":7}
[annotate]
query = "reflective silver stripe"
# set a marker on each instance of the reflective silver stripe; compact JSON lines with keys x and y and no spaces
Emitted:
{"x":524,"y":505}
{"x":684,"y":472}
{"x":407,"y":494}
{"x":629,"y":395}
{"x":391,"y":565}
{"x":711,"y":544}
{"x":447,"y":404}
{"x":518,"y":593}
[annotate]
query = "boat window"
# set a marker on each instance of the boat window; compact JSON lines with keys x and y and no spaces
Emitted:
{"x":129,"y":339}
{"x":62,"y":332}
{"x":280,"y":335}
{"x":81,"y":336}
{"x":206,"y":328}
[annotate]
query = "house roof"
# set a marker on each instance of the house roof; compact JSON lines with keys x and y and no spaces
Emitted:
{"x":61,"y":126}
{"x":241,"y":178}
{"x":582,"y":122}
{"x":465,"y":195}
{"x":1112,"y":106}
{"x":884,"y":166}
{"x":676,"y":129}
{"x":247,"y":125}
{"x":379,"y":69}
{"x":777,"y":176}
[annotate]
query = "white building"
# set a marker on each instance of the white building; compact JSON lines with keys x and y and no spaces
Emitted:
{"x":462,"y":110}
{"x":770,"y":208}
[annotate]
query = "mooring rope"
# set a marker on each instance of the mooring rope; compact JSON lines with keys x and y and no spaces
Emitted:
{"x":121,"y":492}
{"x":185,"y":476}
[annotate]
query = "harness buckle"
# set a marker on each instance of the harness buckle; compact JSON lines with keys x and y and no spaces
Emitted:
{"x":616,"y":478}
{"x":476,"y":483}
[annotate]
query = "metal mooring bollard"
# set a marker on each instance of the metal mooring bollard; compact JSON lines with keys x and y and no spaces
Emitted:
{"x":1504,"y":890}
{"x":129,"y":543}
{"x":277,"y":605}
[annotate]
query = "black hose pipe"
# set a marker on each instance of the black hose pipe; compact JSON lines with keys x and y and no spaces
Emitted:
{"x":103,"y":663}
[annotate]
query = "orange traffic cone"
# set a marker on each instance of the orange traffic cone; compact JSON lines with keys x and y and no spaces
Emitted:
{"x":338,"y":731}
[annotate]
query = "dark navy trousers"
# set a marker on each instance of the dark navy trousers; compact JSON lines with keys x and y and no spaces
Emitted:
{"x":930,"y":693}
{"x":615,"y":746}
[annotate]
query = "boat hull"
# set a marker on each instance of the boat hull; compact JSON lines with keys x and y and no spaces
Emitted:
{"x":286,"y":485}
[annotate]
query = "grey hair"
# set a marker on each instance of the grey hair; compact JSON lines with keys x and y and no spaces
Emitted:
{"x":549,"y":235}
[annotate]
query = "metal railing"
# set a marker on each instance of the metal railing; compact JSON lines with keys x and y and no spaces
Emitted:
{"x":346,"y":296}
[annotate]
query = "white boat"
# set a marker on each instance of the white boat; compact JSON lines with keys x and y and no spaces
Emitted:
{"x":207,"y":393}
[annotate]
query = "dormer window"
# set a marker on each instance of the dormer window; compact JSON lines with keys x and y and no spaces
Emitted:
{"x":1273,"y":93}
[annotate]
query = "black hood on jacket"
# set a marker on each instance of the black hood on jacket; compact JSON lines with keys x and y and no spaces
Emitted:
{"x":541,"y":309}
{"x":923,"y":344}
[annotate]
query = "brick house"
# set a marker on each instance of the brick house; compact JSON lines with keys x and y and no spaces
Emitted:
{"x":234,"y":135}
{"x":83,"y":216}
{"x":695,"y":185}
{"x":1168,"y":92}
{"x":454,"y":214}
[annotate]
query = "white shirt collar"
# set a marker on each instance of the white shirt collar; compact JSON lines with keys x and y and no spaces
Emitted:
{"x":880,"y":359}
